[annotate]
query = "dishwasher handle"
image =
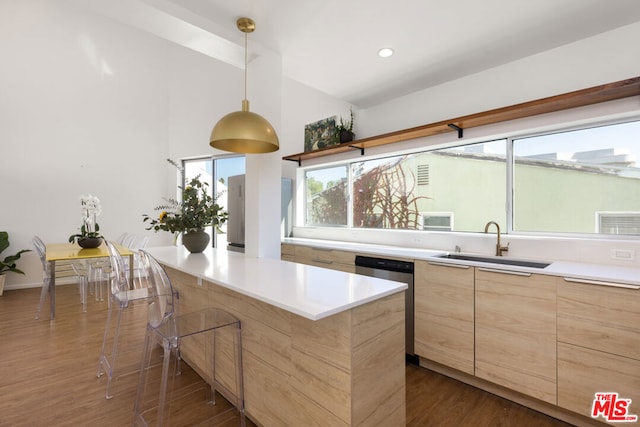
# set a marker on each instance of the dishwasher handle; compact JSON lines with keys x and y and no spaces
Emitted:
{"x":384,"y":264}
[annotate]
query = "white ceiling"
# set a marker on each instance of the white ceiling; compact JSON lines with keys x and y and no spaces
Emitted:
{"x":331,"y":45}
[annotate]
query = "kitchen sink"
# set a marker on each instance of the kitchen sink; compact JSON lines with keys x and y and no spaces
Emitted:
{"x":496,"y":260}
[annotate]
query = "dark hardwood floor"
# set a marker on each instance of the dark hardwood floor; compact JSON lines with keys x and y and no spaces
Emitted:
{"x":48,"y":375}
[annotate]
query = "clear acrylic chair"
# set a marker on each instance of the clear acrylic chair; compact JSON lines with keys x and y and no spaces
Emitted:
{"x":63,"y":269}
{"x":153,"y":398}
{"x":122,"y":295}
{"x":135,"y":243}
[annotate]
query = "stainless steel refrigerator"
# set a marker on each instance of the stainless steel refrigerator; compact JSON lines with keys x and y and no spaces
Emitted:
{"x":236,"y":209}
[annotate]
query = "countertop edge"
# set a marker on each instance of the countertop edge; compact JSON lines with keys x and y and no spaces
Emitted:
{"x":200,"y":267}
{"x":576,"y":270}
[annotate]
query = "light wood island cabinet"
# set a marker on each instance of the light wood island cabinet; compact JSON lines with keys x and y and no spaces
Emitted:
{"x":515,"y":331}
{"x":444,"y":314}
{"x":598,"y":344}
{"x":342,"y":369}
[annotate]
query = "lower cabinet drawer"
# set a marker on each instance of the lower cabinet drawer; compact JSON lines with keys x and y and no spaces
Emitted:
{"x":583,"y":372}
{"x":321,"y":255}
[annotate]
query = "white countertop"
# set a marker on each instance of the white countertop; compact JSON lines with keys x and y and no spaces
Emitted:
{"x":574,"y":270}
{"x":307,"y":291}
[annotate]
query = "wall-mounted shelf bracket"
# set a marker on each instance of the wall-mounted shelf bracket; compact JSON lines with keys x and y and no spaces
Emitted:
{"x":298,"y":161}
{"x":358,"y":148}
{"x":458,"y":128}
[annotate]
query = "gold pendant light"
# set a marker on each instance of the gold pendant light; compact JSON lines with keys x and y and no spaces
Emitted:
{"x":244,"y":131}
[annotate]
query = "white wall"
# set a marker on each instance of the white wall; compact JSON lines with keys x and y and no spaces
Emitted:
{"x":90,"y":105}
{"x":83,"y":101}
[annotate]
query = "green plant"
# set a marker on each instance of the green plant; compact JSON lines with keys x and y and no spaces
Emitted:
{"x":9,"y":263}
{"x":345,"y":125}
{"x":196,"y":211}
{"x":90,"y":210}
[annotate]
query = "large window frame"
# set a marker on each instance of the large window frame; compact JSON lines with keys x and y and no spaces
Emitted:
{"x":509,"y":176}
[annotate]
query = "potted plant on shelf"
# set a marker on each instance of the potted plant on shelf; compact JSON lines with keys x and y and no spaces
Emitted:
{"x":190,"y":216}
{"x":9,"y":263}
{"x":344,"y":130}
{"x":89,"y":236}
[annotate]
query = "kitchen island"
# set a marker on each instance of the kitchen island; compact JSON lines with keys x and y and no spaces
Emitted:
{"x":320,"y":347}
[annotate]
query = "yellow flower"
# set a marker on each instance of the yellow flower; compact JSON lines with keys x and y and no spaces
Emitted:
{"x":163,"y":215}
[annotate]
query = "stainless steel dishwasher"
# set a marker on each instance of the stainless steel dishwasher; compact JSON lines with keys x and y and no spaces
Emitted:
{"x":399,"y":271}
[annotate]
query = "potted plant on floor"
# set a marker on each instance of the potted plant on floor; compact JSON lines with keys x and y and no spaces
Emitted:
{"x":9,"y":263}
{"x":189,"y":217}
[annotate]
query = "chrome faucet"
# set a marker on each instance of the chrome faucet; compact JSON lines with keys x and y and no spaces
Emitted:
{"x":499,"y":248}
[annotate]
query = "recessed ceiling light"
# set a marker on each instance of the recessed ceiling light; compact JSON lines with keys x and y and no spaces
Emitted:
{"x":385,"y":52}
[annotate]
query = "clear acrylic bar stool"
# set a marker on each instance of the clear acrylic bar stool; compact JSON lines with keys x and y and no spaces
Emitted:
{"x":122,"y":295}
{"x":153,"y":399}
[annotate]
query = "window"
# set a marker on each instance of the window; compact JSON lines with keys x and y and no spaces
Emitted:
{"x":562,"y":180}
{"x":618,"y":222}
{"x":582,"y":181}
{"x":220,"y":168}
{"x":436,"y":221}
{"x":394,"y":192}
{"x":326,"y":196}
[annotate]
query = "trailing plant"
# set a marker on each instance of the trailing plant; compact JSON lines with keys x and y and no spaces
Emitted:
{"x":345,"y":125}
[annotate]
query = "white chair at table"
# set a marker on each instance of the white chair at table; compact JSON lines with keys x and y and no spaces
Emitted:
{"x":63,"y":269}
{"x":122,"y":295}
{"x":168,"y":329}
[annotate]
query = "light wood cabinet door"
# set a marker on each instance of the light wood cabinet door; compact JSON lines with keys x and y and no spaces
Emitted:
{"x":603,"y":318}
{"x":516,"y":332}
{"x":599,"y":344}
{"x":444,"y":314}
{"x":583,"y":372}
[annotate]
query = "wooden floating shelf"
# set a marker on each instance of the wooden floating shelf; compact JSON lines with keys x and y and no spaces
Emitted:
{"x":579,"y":98}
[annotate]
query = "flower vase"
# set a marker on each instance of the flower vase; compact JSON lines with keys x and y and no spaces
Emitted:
{"x":195,"y":241}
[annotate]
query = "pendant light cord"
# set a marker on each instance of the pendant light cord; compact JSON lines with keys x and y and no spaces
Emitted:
{"x":245,"y":65}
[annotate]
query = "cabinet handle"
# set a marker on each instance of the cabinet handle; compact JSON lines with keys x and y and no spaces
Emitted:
{"x":513,"y":273}
{"x":597,"y":282}
{"x":322,"y":261}
{"x":442,"y":264}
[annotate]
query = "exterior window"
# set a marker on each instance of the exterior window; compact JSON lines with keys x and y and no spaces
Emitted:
{"x":562,"y":180}
{"x":385,"y":195}
{"x":437,"y":221}
{"x":396,"y":192}
{"x":469,"y":182}
{"x":618,"y":223}
{"x":583,"y":181}
{"x":326,"y":196}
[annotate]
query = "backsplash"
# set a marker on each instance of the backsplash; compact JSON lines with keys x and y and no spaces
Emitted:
{"x":599,"y":251}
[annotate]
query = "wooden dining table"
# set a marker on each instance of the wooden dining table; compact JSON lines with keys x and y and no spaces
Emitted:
{"x":70,"y":252}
